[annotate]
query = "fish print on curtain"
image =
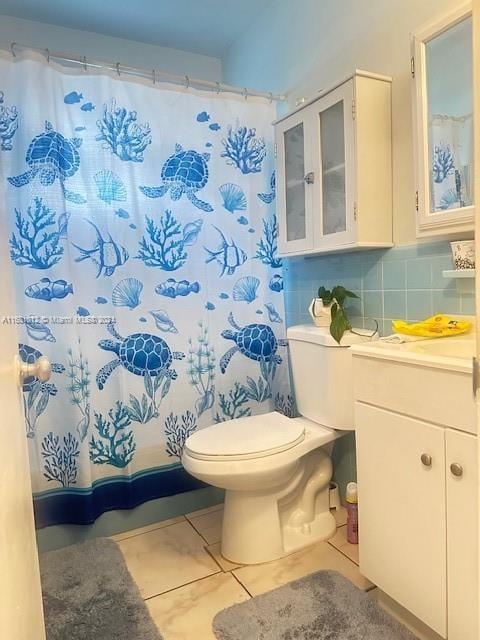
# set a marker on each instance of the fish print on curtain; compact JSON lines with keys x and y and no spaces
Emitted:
{"x":144,"y":250}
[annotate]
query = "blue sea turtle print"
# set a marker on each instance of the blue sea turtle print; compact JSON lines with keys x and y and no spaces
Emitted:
{"x":139,"y":353}
{"x":30,"y":355}
{"x":184,"y":172}
{"x":256,"y":341}
{"x":52,"y":156}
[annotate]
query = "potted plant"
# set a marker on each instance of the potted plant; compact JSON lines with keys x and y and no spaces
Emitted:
{"x":333,"y":309}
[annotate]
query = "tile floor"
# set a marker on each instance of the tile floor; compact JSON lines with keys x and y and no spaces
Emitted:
{"x":185,"y":581}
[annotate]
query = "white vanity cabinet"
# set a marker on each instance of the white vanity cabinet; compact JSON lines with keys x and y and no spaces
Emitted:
{"x":402,"y":511}
{"x":334,"y":169}
{"x":442,"y":72}
{"x":417,"y":483}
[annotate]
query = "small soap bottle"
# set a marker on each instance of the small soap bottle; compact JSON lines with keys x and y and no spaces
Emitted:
{"x":352,"y":513}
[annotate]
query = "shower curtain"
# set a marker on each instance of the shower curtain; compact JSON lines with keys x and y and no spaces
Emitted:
{"x":144,"y":249}
{"x":452,"y":161}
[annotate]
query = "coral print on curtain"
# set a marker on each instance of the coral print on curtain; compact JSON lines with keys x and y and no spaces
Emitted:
{"x":144,"y":249}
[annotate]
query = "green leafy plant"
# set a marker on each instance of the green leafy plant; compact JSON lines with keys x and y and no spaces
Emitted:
{"x":337,"y":298}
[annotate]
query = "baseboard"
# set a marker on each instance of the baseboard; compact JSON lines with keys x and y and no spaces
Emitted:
{"x":404,"y":616}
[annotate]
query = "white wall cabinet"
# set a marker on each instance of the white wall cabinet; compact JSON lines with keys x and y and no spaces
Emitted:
{"x":334,"y":170}
{"x":442,"y":71}
{"x":418,"y":517}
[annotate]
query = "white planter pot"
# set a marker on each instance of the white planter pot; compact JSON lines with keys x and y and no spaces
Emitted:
{"x":321,"y":314}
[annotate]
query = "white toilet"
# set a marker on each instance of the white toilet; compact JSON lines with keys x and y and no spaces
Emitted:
{"x":276,"y":470}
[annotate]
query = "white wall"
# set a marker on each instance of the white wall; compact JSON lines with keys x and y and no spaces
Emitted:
{"x":94,"y":45}
{"x":302,"y":46}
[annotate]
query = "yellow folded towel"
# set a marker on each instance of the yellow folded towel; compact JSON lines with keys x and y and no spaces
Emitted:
{"x":439,"y":326}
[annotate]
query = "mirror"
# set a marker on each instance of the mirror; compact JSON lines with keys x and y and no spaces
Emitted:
{"x":442,"y":69}
{"x":449,"y":93}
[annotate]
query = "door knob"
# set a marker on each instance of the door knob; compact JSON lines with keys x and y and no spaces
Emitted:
{"x":426,"y":459}
{"x":40,"y":369}
{"x":309,"y":178}
{"x":456,"y":469}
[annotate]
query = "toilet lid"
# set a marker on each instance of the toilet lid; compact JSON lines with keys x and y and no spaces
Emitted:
{"x":246,"y":438}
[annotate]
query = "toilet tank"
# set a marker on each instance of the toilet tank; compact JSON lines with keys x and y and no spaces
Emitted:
{"x":322,"y":374}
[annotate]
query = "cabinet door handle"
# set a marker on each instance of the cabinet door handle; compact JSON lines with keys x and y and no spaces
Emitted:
{"x":456,"y":469}
{"x":309,"y":178}
{"x":426,"y":459}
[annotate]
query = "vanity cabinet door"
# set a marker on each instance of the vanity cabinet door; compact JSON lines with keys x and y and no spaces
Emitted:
{"x":295,"y":183}
{"x":462,"y":535}
{"x":402,"y":512}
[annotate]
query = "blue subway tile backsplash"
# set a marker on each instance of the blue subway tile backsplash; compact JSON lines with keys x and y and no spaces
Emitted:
{"x":399,"y":283}
{"x":394,"y":274}
{"x":419,"y":273}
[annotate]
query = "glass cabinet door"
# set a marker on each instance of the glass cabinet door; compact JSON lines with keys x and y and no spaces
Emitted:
{"x":335,"y":143}
{"x":295,"y":182}
{"x":444,"y":77}
{"x":294,"y":141}
{"x":332,"y":150}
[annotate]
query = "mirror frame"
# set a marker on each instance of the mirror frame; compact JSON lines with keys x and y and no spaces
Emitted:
{"x":451,"y":221}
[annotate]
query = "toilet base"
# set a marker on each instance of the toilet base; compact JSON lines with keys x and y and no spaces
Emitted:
{"x":322,"y":528}
{"x":260,"y":526}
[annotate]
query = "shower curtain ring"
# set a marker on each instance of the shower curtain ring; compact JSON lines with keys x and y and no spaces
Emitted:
{"x":117,"y":66}
{"x":187,"y":82}
{"x":154,"y":79}
{"x":84,"y":63}
{"x":270,"y":97}
{"x":218,"y":87}
{"x":13,"y":50}
{"x":245,"y":93}
{"x":48,"y":55}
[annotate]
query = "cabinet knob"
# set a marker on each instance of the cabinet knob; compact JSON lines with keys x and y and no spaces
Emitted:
{"x":309,"y":178}
{"x":456,"y":469}
{"x":426,"y":459}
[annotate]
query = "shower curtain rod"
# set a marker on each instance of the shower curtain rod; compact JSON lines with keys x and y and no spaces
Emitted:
{"x":155,"y":75}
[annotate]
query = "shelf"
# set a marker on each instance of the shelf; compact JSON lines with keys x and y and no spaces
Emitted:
{"x":464,"y":279}
{"x":459,"y":273}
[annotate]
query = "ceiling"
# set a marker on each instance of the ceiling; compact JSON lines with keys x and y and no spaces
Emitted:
{"x":205,"y":27}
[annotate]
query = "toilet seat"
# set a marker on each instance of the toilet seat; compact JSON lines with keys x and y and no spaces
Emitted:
{"x":246,"y":438}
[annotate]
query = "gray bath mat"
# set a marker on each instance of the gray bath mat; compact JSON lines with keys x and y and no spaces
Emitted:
{"x":321,"y":606}
{"x":88,"y":594}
